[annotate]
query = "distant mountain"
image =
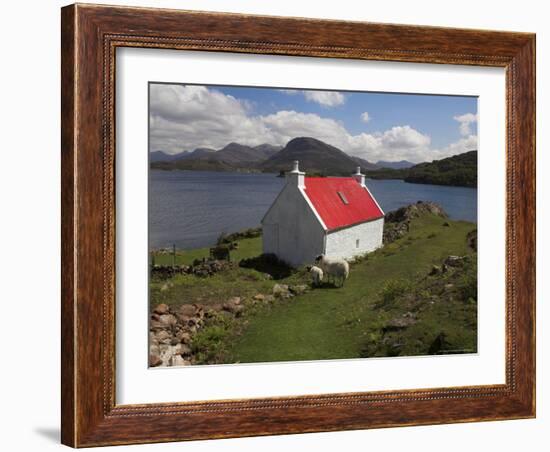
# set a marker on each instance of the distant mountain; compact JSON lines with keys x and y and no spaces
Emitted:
{"x":268,"y":149}
{"x":197,"y":153}
{"x":459,"y":170}
{"x":394,"y":165}
{"x":314,"y":156}
{"x":161,"y":156}
{"x":365,"y":164}
{"x":233,"y":157}
{"x":239,"y":155}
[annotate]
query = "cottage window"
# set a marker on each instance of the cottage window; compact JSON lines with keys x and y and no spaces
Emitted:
{"x":342,"y":197}
{"x":357,"y":243}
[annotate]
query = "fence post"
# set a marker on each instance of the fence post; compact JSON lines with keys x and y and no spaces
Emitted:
{"x":174,"y":256}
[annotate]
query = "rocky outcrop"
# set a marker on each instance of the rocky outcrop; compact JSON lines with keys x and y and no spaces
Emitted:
{"x":172,"y":328}
{"x":170,"y":333}
{"x":397,"y":222}
{"x":404,"y":321}
{"x":412,"y":211}
{"x":434,"y":314}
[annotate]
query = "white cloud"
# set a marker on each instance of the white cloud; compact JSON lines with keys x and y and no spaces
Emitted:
{"x":325,"y":98}
{"x":187,"y":117}
{"x":365,"y":117}
{"x":465,"y":120}
{"x":290,"y":92}
{"x":397,"y":143}
{"x":465,"y":144}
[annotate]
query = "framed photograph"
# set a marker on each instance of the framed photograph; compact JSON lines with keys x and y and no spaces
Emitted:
{"x":282,"y":225}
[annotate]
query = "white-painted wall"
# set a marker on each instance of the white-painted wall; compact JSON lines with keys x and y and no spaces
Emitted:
{"x":290,"y":228}
{"x":293,"y":231}
{"x":356,"y":240}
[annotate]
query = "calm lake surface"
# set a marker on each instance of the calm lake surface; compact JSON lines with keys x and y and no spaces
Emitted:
{"x":191,"y":208}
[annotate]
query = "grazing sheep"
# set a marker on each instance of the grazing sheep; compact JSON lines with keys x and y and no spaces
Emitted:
{"x":335,"y":268}
{"x":316,"y":276}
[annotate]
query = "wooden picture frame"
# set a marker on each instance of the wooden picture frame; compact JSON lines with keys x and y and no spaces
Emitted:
{"x":90,"y":36}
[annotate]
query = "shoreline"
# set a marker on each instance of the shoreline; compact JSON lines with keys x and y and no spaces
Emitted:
{"x":367,"y":176}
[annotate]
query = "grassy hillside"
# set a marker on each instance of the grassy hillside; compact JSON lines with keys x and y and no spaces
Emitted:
{"x":459,"y":170}
{"x":390,"y":305}
{"x":343,"y":323}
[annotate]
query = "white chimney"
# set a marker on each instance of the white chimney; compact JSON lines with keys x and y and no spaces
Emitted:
{"x":296,"y":177}
{"x":359,"y":177}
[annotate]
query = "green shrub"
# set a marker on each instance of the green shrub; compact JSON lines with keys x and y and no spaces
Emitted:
{"x":392,"y":290}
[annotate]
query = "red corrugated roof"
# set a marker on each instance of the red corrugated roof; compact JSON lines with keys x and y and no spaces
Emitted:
{"x":341,"y":201}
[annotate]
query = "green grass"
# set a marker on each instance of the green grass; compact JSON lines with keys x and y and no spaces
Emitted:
{"x":324,"y":323}
{"x":187,"y":289}
{"x":336,"y":323}
{"x":247,"y":248}
{"x":237,"y":281}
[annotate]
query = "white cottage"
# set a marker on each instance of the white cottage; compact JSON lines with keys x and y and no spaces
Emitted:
{"x":335,"y":216}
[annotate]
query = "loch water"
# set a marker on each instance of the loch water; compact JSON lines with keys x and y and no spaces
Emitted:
{"x":191,"y":208}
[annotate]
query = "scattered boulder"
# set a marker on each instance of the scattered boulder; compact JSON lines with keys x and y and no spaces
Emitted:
{"x":213,"y":309}
{"x":233,"y":305}
{"x":454,"y":261}
{"x":398,"y":323}
{"x":238,"y":310}
{"x":163,"y":337}
{"x":177,"y":360}
{"x":155,"y":325}
{"x":181,"y":349}
{"x":436,"y":270}
{"x":259,"y":297}
{"x":281,"y":290}
{"x":167,"y":320}
{"x":154,"y":360}
{"x":298,"y":289}
{"x":199,"y":311}
{"x":184,"y":337}
{"x":166,"y":355}
{"x":161,"y":309}
{"x":187,"y":310}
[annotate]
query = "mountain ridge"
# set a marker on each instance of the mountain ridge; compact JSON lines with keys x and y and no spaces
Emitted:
{"x":319,"y":158}
{"x":400,"y":164}
{"x":315,"y":157}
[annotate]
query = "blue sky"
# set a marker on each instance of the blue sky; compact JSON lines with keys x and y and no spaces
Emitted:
{"x":375,"y":126}
{"x":428,"y":114}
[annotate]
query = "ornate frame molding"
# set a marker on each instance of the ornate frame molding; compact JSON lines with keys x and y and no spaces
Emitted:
{"x":90,"y":37}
